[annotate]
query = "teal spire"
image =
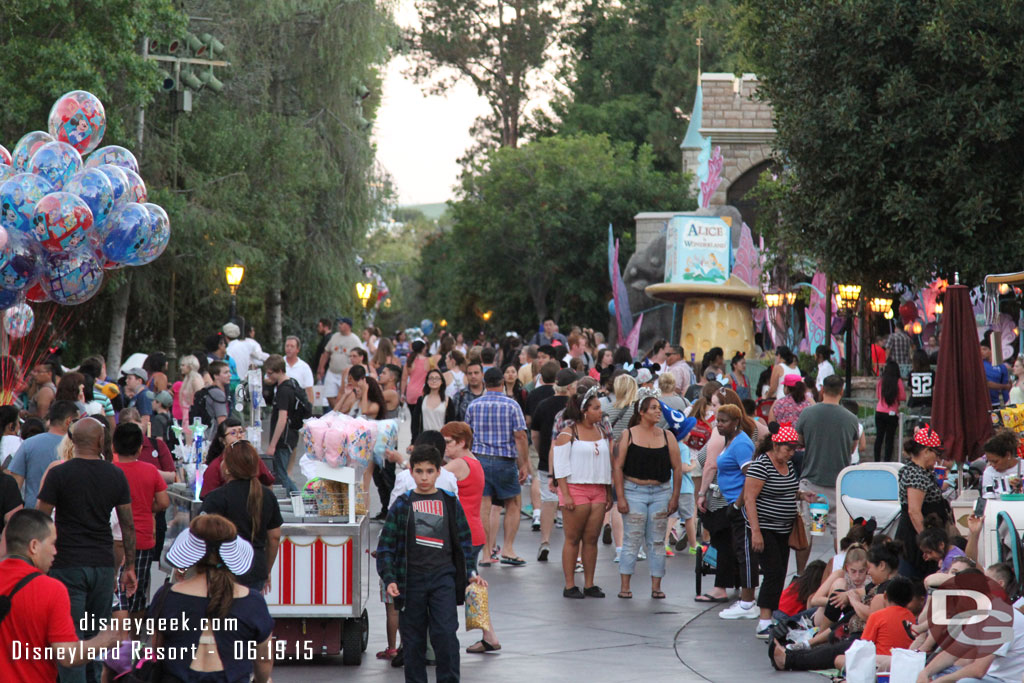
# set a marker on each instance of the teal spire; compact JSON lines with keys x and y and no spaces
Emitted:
{"x":692,"y":140}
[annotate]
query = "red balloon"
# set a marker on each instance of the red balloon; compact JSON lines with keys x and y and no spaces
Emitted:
{"x":908,"y":312}
{"x":36,"y":294}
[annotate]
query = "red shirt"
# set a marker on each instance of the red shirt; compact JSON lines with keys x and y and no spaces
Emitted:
{"x":40,"y":615}
{"x":471,"y":491}
{"x":144,"y":482}
{"x":213,"y":479}
{"x":162,"y":459}
{"x":789,"y":601}
{"x":885,"y":629}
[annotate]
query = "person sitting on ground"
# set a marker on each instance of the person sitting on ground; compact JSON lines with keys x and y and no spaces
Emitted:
{"x":794,"y":599}
{"x":852,"y":576}
{"x":936,"y":546}
{"x":887,"y":628}
{"x":861,"y":533}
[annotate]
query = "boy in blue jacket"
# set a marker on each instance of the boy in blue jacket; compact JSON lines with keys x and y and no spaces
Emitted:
{"x":422,"y":559}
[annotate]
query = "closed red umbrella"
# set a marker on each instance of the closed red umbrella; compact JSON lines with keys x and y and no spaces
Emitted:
{"x":961,"y":401}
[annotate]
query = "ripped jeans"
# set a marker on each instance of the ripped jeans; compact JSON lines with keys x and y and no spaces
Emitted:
{"x":645,"y":525}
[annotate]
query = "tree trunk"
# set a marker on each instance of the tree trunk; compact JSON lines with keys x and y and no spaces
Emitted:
{"x":118,"y":318}
{"x":274,"y":318}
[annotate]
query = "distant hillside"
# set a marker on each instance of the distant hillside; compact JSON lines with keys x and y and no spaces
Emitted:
{"x":431,"y":211}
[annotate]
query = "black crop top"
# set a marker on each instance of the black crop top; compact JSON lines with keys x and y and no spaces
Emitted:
{"x":652,"y":464}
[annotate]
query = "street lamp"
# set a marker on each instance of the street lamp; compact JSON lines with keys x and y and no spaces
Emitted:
{"x":364,"y":292}
{"x":234,"y":274}
{"x":848,"y":295}
{"x":486,"y":315}
{"x":790,"y":298}
{"x":773,"y":299}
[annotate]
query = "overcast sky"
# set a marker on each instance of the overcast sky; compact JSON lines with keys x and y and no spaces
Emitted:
{"x":419,"y":137}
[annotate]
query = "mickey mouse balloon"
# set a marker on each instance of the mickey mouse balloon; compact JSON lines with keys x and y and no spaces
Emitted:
{"x":62,"y":222}
{"x":95,"y":188}
{"x":71,"y":278}
{"x":114,"y":155}
{"x":78,"y":119}
{"x":124,"y":236}
{"x":18,"y":197}
{"x":26,"y":147}
{"x":19,"y":262}
{"x":58,"y":162}
{"x":18,"y":320}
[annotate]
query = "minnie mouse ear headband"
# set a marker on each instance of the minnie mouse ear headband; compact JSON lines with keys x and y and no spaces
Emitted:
{"x":928,"y":437}
{"x":188,"y":549}
{"x":783,"y":433}
{"x":645,"y":393}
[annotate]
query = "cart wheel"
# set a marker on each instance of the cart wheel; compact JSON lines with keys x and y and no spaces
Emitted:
{"x":364,"y":622}
{"x":352,"y":641}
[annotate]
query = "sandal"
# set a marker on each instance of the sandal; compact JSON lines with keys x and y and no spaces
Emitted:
{"x":707,"y":597}
{"x":389,"y":653}
{"x":626,"y":595}
{"x":485,"y":563}
{"x":482,"y":646}
{"x":514,"y":561}
{"x":657,"y":595}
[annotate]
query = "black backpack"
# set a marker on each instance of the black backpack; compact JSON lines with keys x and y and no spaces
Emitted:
{"x":202,"y":407}
{"x":300,"y":408}
{"x":6,"y":600}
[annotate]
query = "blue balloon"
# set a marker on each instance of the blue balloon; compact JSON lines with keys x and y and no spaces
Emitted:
{"x":20,"y":262}
{"x":8,"y":298}
{"x":427,"y":325}
{"x":95,"y":189}
{"x":18,"y":197}
{"x":119,"y":181}
{"x":124,"y":235}
{"x":58,"y":162}
{"x":611,"y":306}
{"x":159,"y":233}
{"x":678,"y":424}
{"x":72,"y":278}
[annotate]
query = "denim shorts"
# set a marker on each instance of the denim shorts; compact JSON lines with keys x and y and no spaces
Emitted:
{"x":501,"y":477}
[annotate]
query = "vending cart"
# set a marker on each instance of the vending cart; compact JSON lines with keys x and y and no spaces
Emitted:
{"x":320,"y":582}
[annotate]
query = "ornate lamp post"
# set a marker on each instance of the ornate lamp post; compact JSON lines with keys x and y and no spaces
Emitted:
{"x":234,"y":274}
{"x":848,"y":296}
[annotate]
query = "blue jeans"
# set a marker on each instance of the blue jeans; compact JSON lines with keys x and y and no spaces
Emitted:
{"x":430,"y":600}
{"x":91,"y":591}
{"x":645,"y":525}
{"x":282,"y":454}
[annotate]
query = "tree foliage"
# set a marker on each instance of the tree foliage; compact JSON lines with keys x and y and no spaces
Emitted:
{"x":631,"y":69}
{"x":896,"y":122}
{"x":276,"y":171}
{"x":500,"y":46}
{"x":529,"y":234}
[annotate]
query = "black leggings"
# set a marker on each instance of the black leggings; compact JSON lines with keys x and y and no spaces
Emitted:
{"x":773,"y":562}
{"x":885,"y":435}
{"x":818,"y":657}
{"x":727,"y":574}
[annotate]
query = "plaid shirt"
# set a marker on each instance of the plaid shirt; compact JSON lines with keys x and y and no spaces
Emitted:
{"x":494,"y":419}
{"x":900,"y":347}
{"x":392,"y":545}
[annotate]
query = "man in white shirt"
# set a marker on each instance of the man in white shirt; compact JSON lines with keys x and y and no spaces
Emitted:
{"x":334,"y":363}
{"x":296,"y":368}
{"x":823,"y":354}
{"x":245,"y":351}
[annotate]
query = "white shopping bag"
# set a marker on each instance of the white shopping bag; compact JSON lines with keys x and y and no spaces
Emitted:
{"x":906,"y":665}
{"x":860,"y":662}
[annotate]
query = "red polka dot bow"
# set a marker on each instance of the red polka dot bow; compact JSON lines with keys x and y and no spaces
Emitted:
{"x":786,"y":434}
{"x":928,"y":437}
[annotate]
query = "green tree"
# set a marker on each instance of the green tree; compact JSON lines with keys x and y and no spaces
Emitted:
{"x":529,"y":230}
{"x":896,"y":121}
{"x":500,"y":46}
{"x":631,"y":70}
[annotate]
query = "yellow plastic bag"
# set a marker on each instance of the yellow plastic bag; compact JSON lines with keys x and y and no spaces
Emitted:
{"x":478,"y":611}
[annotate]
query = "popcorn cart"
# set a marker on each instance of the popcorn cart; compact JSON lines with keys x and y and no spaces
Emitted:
{"x":320,"y":581}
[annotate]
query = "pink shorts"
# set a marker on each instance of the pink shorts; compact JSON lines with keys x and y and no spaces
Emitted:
{"x":583,"y":494}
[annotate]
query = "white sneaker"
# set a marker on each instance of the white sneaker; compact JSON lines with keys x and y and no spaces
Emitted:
{"x":736,"y":611}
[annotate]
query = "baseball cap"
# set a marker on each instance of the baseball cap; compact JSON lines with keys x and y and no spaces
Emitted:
{"x":565,"y":377}
{"x":138,"y":372}
{"x":231,"y":331}
{"x":790,"y":380}
{"x":344,"y":319}
{"x":165,"y":399}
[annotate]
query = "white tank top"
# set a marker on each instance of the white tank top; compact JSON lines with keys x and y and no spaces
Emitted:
{"x":786,"y":370}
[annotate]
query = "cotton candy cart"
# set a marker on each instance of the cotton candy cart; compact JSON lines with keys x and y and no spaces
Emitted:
{"x":319,"y":583}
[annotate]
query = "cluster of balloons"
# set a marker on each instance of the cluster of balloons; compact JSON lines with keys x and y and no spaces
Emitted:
{"x":64,"y":220}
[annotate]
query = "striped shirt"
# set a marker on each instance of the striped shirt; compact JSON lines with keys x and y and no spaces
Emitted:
{"x":776,"y":504}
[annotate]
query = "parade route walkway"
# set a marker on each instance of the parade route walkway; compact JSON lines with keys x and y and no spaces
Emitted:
{"x":546,"y":637}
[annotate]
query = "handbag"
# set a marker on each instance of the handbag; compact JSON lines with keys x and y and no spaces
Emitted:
{"x":798,"y":536}
{"x":860,"y":662}
{"x":150,"y":668}
{"x":699,"y":435}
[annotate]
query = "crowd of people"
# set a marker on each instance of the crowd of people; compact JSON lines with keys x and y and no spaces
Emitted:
{"x":560,"y":428}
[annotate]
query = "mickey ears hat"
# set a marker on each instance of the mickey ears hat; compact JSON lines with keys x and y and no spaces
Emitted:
{"x":188,"y":549}
{"x":783,"y":433}
{"x":928,"y":437}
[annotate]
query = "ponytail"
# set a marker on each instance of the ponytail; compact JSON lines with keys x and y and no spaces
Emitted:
{"x":243,"y":462}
